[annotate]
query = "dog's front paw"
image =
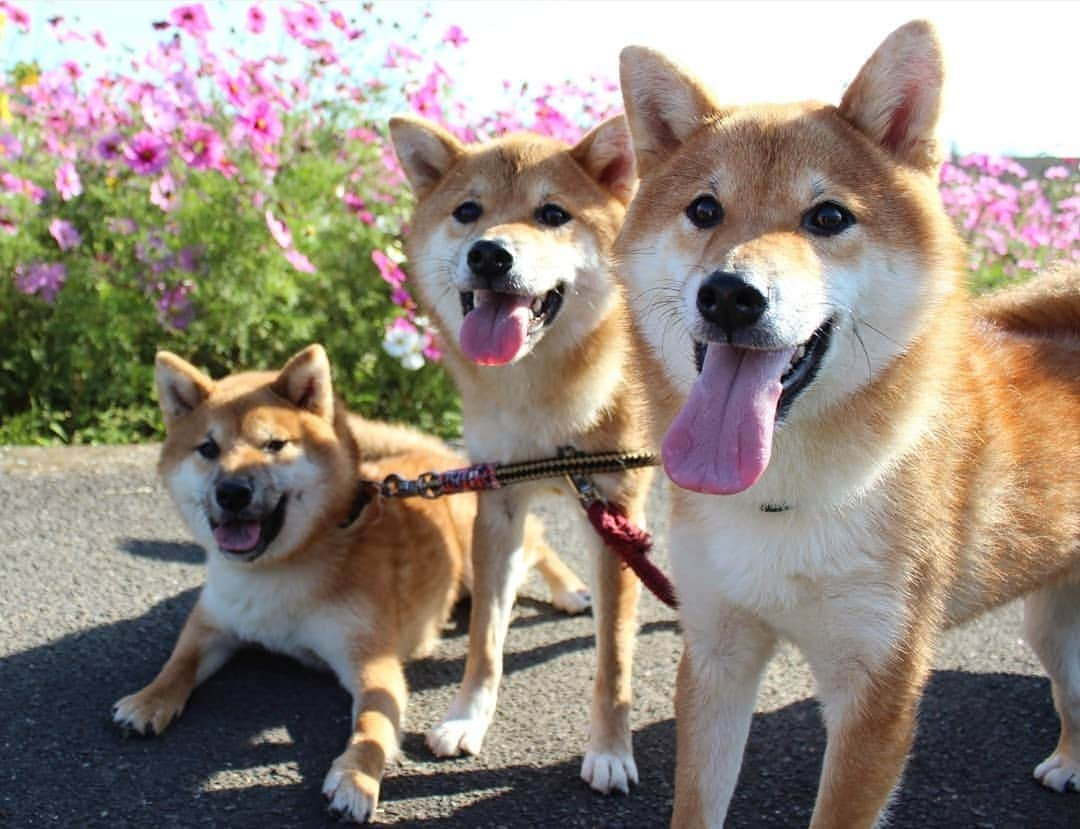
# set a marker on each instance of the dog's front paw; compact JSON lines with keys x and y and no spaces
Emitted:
{"x":609,"y":771}
{"x":148,"y":712}
{"x":572,"y":601}
{"x":1059,"y":772}
{"x":451,"y":737}
{"x":351,"y":794}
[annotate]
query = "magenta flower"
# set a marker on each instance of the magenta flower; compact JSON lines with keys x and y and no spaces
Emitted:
{"x":337,"y":19}
{"x":299,"y":261}
{"x":41,"y":278}
{"x":388,"y":269}
{"x":455,"y":37}
{"x":10,"y":147}
{"x":111,"y":147}
{"x":256,"y":20}
{"x":300,"y":21}
{"x":99,"y":39}
{"x":174,"y":306}
{"x":192,"y":19}
{"x":68,"y":183}
{"x":13,"y":184}
{"x":65,"y":234}
{"x":146,"y":154}
{"x":279,"y":230}
{"x":201,"y":147}
{"x":258,"y":123}
{"x":17,"y":16}
{"x":1056,"y":172}
{"x":163,"y":193}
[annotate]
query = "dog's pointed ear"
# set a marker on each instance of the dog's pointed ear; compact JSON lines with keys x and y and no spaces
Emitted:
{"x":895,"y":99}
{"x":305,"y":382}
{"x":664,"y":104}
{"x":181,"y":387}
{"x":426,"y":151}
{"x":607,"y":154}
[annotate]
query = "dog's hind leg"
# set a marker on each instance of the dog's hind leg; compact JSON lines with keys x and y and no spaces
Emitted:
{"x":568,"y":593}
{"x":499,"y":566}
{"x":1052,"y":627}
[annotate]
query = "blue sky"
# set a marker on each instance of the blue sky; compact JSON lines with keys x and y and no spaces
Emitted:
{"x":1013,"y":66}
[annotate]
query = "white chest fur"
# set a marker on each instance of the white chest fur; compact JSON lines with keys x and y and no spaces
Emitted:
{"x":824,"y":580}
{"x":274,"y":608}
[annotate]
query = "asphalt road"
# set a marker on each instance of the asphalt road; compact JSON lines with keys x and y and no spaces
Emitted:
{"x":97,"y":575}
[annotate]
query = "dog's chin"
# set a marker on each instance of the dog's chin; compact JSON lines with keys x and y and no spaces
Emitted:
{"x":246,"y":538}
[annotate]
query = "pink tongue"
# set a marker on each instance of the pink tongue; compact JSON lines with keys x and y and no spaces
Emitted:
{"x":237,"y":536}
{"x":495,"y":330}
{"x":721,"y":441}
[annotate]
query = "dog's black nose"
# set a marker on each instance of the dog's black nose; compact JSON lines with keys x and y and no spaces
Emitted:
{"x":489,"y":260}
{"x":730,"y":302}
{"x":233,"y":494}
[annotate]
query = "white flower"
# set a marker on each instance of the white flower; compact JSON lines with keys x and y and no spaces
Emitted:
{"x":413,"y":361}
{"x":406,"y":345}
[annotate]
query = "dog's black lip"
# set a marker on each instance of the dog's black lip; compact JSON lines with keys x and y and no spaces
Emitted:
{"x":549,"y":306}
{"x":799,"y":375}
{"x":269,"y":528}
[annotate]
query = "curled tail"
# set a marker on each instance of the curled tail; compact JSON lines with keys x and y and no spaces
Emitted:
{"x":1046,"y":305}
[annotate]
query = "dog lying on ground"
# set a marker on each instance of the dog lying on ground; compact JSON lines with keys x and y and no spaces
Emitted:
{"x":265,"y":468}
{"x":865,"y":454}
{"x":509,"y":253}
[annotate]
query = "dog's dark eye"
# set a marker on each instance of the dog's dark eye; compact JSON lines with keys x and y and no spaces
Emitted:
{"x":552,"y":215}
{"x":468,"y":212}
{"x":705,"y":212}
{"x":208,"y":449}
{"x":827,"y":219}
{"x":274,"y":446}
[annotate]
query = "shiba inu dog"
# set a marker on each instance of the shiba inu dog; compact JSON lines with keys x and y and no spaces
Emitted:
{"x":509,"y":250}
{"x":865,"y":454}
{"x":264,"y":467}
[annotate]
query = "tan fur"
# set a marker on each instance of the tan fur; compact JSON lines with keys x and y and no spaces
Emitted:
{"x":360,"y":597}
{"x":931,"y":468}
{"x":578,"y":382}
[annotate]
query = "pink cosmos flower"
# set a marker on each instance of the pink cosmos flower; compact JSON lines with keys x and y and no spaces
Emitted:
{"x":174,"y":306}
{"x":17,"y":16}
{"x":388,"y":269}
{"x":42,"y":278}
{"x":201,"y":147}
{"x":279,"y":230}
{"x":13,"y":184}
{"x":68,"y":183}
{"x":455,"y":37}
{"x":192,"y":19}
{"x":99,"y":39}
{"x":146,"y":154}
{"x":10,"y":147}
{"x":338,"y":20}
{"x":256,"y":20}
{"x":258,"y":123}
{"x":111,"y":146}
{"x":163,"y":193}
{"x":1056,"y":172}
{"x":299,"y":261}
{"x":65,"y":234}
{"x":302,"y":20}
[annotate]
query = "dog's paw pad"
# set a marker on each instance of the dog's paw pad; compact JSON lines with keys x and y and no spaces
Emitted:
{"x":572,"y":601}
{"x":351,"y":795}
{"x":608,"y":772}
{"x":1059,"y":772}
{"x":453,"y":737}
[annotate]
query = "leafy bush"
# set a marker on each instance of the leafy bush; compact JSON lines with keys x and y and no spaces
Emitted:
{"x":236,"y":204}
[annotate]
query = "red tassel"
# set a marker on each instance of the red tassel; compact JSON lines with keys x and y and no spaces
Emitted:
{"x":632,"y":545}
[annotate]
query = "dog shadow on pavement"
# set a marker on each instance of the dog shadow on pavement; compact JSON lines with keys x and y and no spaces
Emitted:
{"x":256,"y":740}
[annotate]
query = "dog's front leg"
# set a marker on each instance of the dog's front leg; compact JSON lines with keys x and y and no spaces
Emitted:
{"x":499,"y":565}
{"x":200,"y":650}
{"x":608,"y":765}
{"x":379,"y":695}
{"x":870,"y":722}
{"x":723,"y":660}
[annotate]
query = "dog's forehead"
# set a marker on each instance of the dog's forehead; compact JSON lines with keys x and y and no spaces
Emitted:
{"x":515,"y":168}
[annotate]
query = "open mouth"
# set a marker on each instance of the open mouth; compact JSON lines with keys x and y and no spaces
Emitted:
{"x":246,"y":538}
{"x":800,"y":372}
{"x":498,"y":325}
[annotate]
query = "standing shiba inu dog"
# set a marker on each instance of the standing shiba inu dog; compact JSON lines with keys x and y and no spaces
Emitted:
{"x":509,"y":247}
{"x":264,"y":468}
{"x":865,"y":455}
